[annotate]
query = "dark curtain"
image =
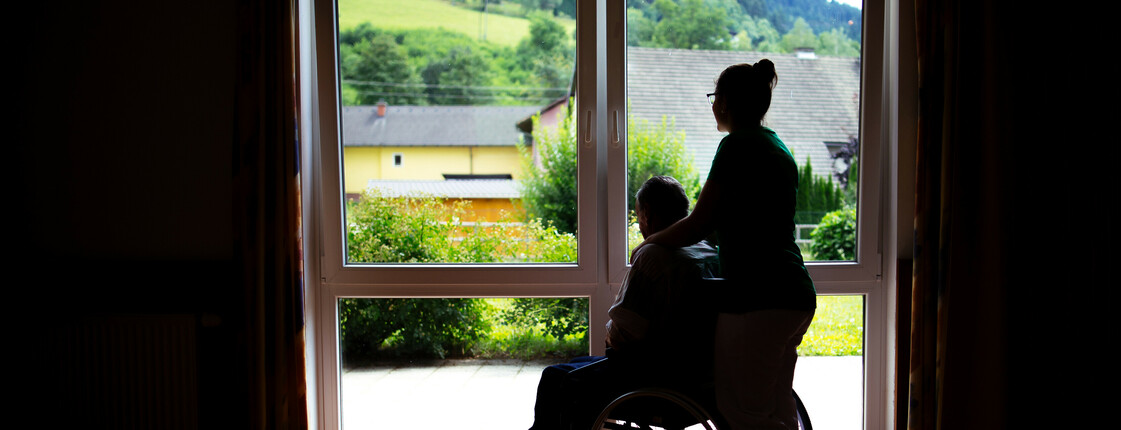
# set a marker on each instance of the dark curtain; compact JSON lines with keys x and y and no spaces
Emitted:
{"x":266,"y":208}
{"x":1014,"y":208}
{"x":957,"y":327}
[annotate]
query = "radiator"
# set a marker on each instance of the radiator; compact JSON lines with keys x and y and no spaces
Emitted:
{"x":127,"y":372}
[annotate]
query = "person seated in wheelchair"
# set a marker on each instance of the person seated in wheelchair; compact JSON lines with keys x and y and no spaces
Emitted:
{"x":660,"y":331}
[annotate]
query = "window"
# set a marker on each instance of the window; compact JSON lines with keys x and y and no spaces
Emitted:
{"x":600,"y":115}
{"x":397,"y":159}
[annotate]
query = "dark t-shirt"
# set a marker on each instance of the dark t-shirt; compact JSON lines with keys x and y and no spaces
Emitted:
{"x":755,"y":224}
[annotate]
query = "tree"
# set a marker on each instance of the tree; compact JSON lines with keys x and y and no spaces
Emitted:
{"x":543,"y":5}
{"x":816,"y":196}
{"x":733,"y":14}
{"x":757,"y":35}
{"x":548,"y":185}
{"x":547,"y":52}
{"x":800,"y":36}
{"x":377,"y":70}
{"x":689,"y":25}
{"x":459,"y":78}
{"x":640,"y":29}
{"x":657,"y":150}
{"x":836,"y":43}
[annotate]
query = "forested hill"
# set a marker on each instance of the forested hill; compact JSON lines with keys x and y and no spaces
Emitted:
{"x":821,"y":15}
{"x":521,"y":52}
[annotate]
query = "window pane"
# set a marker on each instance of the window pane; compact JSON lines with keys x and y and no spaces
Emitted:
{"x":829,"y":376}
{"x":494,"y":351}
{"x":456,"y":143}
{"x":675,"y":52}
{"x":477,"y":361}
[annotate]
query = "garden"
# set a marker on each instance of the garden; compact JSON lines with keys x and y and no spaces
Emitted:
{"x":404,"y":230}
{"x":465,"y":52}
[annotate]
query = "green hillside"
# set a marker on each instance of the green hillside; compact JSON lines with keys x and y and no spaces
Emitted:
{"x":396,"y":14}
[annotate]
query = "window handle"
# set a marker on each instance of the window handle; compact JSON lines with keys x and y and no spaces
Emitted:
{"x":588,"y":129}
{"x":617,"y":132}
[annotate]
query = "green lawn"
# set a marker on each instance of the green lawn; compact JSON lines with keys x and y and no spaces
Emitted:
{"x":837,"y":330}
{"x":391,"y":14}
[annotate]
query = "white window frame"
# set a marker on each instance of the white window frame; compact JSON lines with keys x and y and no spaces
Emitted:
{"x":601,"y":262}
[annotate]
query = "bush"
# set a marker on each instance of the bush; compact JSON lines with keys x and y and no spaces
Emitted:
{"x":835,"y":237}
{"x":378,"y":328}
{"x":559,"y":317}
{"x":658,"y":149}
{"x":422,"y":229}
{"x":549,"y":188}
{"x":425,"y":229}
{"x":524,"y":328}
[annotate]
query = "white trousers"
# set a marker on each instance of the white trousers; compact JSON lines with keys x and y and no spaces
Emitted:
{"x":755,"y":358}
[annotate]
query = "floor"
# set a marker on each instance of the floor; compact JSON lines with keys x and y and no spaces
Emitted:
{"x":498,"y":394}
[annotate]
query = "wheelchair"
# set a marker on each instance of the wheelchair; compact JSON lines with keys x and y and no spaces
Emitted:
{"x":672,"y":408}
{"x":663,"y":408}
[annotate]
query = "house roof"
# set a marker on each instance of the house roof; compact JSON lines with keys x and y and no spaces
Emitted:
{"x":433,"y":125}
{"x":526,"y":123}
{"x":452,"y":188}
{"x":815,"y":100}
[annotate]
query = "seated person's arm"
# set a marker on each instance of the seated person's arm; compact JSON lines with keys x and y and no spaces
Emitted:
{"x":640,"y":299}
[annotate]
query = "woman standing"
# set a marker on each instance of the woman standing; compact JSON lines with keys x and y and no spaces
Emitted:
{"x":748,"y":202}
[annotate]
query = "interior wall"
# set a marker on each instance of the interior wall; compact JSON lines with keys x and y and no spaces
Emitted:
{"x":120,"y":177}
{"x":120,"y":207}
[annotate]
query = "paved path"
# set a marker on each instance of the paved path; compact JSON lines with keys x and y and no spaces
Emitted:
{"x":499,"y":394}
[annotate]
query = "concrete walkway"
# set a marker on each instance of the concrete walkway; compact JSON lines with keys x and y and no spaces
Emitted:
{"x":499,"y":394}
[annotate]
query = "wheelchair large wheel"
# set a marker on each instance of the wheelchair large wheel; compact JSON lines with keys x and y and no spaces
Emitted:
{"x":668,"y":409}
{"x":803,"y":415}
{"x":653,"y":408}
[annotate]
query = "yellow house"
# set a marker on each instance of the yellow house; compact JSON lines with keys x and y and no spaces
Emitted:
{"x":455,"y":152}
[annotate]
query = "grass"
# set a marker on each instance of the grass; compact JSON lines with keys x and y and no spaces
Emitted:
{"x":526,"y":343}
{"x":837,"y":330}
{"x":389,"y":14}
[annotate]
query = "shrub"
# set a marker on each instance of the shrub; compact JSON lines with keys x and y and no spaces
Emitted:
{"x":376,"y":328}
{"x":548,"y":186}
{"x":424,"y":229}
{"x":521,"y":339}
{"x":558,"y":317}
{"x":548,"y":189}
{"x":835,"y":237}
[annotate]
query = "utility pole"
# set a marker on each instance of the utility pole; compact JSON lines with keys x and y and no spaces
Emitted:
{"x":486,"y":4}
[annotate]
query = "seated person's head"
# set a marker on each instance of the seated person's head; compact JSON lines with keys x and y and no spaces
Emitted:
{"x":660,"y":202}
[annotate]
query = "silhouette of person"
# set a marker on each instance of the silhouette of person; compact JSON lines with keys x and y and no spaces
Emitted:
{"x":659,"y":333}
{"x":748,"y":202}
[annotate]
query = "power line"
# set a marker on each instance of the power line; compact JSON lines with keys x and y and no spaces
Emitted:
{"x":480,"y":96}
{"x":469,"y":87}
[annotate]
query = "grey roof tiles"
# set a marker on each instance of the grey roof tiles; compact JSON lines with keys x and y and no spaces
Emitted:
{"x":433,"y":125}
{"x":816,"y":100}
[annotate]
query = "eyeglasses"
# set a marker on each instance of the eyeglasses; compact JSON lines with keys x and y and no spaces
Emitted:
{"x":711,"y":98}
